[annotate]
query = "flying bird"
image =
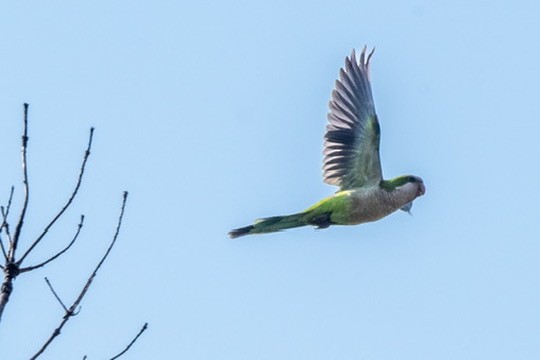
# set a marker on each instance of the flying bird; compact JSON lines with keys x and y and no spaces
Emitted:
{"x":351,"y":162}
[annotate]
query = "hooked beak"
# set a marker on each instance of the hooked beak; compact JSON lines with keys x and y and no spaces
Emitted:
{"x":421,"y":189}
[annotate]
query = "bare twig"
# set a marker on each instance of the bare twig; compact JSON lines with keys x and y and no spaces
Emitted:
{"x":55,"y":294}
{"x":70,"y":312}
{"x":117,"y":231}
{"x":3,"y":249}
{"x":5,"y":213}
{"x":5,"y":224}
{"x":143,"y":329}
{"x":18,"y":228}
{"x":30,"y":268}
{"x":68,"y":203}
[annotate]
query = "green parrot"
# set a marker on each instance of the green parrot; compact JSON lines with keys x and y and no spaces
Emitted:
{"x":351,"y":161}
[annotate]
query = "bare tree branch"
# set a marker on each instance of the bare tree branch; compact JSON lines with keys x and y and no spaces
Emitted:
{"x":18,"y":228}
{"x":143,"y":329}
{"x":30,"y":268}
{"x":68,"y":203}
{"x":12,"y":265}
{"x":55,"y":294}
{"x":70,"y":312}
{"x":11,"y":271}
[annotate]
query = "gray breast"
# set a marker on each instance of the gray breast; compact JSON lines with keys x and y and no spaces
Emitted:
{"x":375,"y":203}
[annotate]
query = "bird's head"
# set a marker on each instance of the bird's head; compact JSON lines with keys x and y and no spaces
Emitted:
{"x":417,"y":183}
{"x":408,"y":183}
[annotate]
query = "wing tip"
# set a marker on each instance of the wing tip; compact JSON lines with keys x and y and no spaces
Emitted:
{"x":363,"y":60}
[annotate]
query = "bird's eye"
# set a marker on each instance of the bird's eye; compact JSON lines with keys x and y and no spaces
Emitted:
{"x":412,"y":179}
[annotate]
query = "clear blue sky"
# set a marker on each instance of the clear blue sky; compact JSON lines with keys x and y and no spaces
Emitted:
{"x":212,"y":114}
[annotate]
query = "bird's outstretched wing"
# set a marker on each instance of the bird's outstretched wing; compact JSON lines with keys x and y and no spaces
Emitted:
{"x":351,"y":146}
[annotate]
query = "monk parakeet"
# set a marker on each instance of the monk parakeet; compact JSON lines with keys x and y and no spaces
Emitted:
{"x":351,"y":161}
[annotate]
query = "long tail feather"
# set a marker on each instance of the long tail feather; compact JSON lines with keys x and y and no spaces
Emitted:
{"x":271,"y":224}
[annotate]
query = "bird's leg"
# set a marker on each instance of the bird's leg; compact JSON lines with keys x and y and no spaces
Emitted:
{"x":321,"y":221}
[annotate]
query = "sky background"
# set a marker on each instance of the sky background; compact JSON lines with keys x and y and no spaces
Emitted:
{"x":211,"y":114}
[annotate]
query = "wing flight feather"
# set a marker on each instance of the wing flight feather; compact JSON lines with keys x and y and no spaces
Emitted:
{"x":351,"y":146}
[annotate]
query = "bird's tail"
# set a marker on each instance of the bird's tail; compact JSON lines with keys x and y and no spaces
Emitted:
{"x":271,"y":224}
